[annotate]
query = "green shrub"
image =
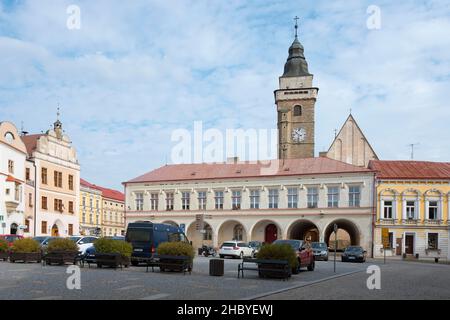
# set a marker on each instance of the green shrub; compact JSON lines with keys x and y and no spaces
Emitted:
{"x":26,"y":245}
{"x":62,"y":245}
{"x":105,"y":245}
{"x":3,"y":245}
{"x":176,"y":249}
{"x":278,"y":252}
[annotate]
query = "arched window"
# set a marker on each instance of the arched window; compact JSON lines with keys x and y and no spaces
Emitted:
{"x":238,"y":232}
{"x":297,"y":111}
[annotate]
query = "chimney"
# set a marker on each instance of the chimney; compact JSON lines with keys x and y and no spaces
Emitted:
{"x":323,"y":154}
{"x":232,"y":160}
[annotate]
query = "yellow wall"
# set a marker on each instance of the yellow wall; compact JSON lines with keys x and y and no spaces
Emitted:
{"x":110,"y":225}
{"x":95,"y":210}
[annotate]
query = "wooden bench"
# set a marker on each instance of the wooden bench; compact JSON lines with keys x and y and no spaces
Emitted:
{"x":181,"y":263}
{"x":276,"y":267}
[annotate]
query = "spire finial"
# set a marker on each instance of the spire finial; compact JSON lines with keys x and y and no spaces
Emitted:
{"x":58,"y":113}
{"x":296,"y":25}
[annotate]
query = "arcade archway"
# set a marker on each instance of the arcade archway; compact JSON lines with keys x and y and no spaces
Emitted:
{"x":347,"y":234}
{"x":303,"y":230}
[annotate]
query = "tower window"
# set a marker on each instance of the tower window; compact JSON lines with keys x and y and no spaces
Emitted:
{"x":297,"y":111}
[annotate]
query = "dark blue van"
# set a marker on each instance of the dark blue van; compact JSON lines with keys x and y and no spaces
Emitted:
{"x":146,"y":236}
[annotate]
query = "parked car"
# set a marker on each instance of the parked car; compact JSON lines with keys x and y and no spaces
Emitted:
{"x":44,"y":241}
{"x":236,"y":249}
{"x":256,"y":245}
{"x":10,"y":238}
{"x":83,"y":242}
{"x":304,"y":253}
{"x":354,"y":253}
{"x":320,"y":251}
{"x":89,"y":256}
{"x":146,"y":236}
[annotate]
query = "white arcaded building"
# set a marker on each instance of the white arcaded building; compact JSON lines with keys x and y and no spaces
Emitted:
{"x":301,"y":199}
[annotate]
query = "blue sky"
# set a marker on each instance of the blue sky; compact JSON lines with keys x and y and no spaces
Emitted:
{"x":137,"y":70}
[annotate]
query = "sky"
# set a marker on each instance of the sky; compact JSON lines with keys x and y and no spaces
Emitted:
{"x":136,"y":71}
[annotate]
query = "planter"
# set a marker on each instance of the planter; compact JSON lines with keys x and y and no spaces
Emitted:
{"x":4,"y":255}
{"x":25,"y":257}
{"x":61,"y":257}
{"x":271,"y":271}
{"x":113,"y":260}
{"x":175,"y":263}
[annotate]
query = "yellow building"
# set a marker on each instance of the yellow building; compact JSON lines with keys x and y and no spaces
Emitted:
{"x":90,"y":209}
{"x":413,"y":204}
{"x":113,"y":211}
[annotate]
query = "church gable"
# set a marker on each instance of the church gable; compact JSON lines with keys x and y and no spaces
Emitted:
{"x":351,"y":146}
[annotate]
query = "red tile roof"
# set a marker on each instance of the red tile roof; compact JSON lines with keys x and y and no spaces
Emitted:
{"x":106,"y":193}
{"x":410,"y":169}
{"x":30,"y":142}
{"x":291,"y":167}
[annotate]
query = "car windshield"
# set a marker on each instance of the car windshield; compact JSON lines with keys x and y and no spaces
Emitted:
{"x":319,"y":245}
{"x":10,"y":238}
{"x":354,"y":249}
{"x":295,"y":244}
{"x":139,"y":235}
{"x":228,"y":244}
{"x":40,"y":239}
{"x":75,"y":238}
{"x":254,"y":244}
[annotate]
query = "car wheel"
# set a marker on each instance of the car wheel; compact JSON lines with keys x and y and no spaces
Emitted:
{"x":99,"y":265}
{"x":311,"y":266}
{"x":221,"y":256}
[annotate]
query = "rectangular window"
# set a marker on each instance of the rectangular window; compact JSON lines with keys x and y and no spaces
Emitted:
{"x":44,"y":175}
{"x":292,"y":198}
{"x":333,"y":197}
{"x":313,"y":197}
{"x":44,"y":204}
{"x":201,"y":200}
{"x":30,"y":199}
{"x":236,"y":199}
{"x":433,"y":241}
{"x":354,"y":195}
{"x":169,"y":201}
{"x":27,"y":174}
{"x":432,"y":210}
{"x":58,"y":205}
{"x":139,"y":201}
{"x":254,"y":199}
{"x":70,"y":206}
{"x":219,"y":199}
{"x":154,"y":201}
{"x":70,"y":229}
{"x":185,"y":200}
{"x":70,"y":182}
{"x":10,"y":166}
{"x":387,"y":209}
{"x":410,"y":210}
{"x":44,"y":227}
{"x":27,"y":226}
{"x":273,"y":198}
{"x":57,"y":179}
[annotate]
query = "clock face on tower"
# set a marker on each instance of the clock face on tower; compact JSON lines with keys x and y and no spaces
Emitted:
{"x":298,"y":134}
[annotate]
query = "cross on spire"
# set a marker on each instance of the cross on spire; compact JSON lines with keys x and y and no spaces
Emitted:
{"x":296,"y":25}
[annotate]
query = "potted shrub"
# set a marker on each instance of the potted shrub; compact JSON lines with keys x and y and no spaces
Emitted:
{"x":176,"y":256}
{"x":4,"y":250}
{"x":25,"y":250}
{"x":112,"y":253}
{"x":276,"y":252}
{"x":61,"y":251}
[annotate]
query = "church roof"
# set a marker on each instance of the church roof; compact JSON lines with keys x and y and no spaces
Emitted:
{"x":273,"y":168}
{"x":296,"y":65}
{"x":410,"y":169}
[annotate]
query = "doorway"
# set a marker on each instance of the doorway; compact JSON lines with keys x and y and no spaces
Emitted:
{"x":409,"y":244}
{"x":55,"y":231}
{"x":271,"y":233}
{"x":14,"y":228}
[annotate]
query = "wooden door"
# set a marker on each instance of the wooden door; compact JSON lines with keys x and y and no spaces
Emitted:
{"x":409,"y":244}
{"x":398,"y":249}
{"x":271,"y":233}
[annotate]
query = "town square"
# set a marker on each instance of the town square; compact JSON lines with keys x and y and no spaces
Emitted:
{"x":234,"y":151}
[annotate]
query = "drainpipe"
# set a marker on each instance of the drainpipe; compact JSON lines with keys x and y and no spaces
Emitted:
{"x":374,"y":212}
{"x":35,"y":197}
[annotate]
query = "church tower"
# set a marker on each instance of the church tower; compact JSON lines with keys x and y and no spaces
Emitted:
{"x":295,"y":100}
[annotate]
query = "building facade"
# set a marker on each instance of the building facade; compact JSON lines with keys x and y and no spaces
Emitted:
{"x":90,"y":209}
{"x":53,"y":161}
{"x":413,"y":204}
{"x":113,"y":212}
{"x":12,"y":180}
{"x":213,"y":203}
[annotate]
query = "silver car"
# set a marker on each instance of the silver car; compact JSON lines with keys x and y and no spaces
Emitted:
{"x":320,"y":250}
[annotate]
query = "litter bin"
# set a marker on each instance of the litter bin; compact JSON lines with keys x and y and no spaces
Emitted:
{"x":216,"y":267}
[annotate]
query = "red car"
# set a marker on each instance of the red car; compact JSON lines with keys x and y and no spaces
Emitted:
{"x":10,"y":238}
{"x":304,"y":253}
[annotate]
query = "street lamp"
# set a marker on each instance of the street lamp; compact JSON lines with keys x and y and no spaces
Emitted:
{"x":335,"y":228}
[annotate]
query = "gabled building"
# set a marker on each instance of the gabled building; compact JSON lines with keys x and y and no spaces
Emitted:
{"x":90,"y":209}
{"x":413,"y":204}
